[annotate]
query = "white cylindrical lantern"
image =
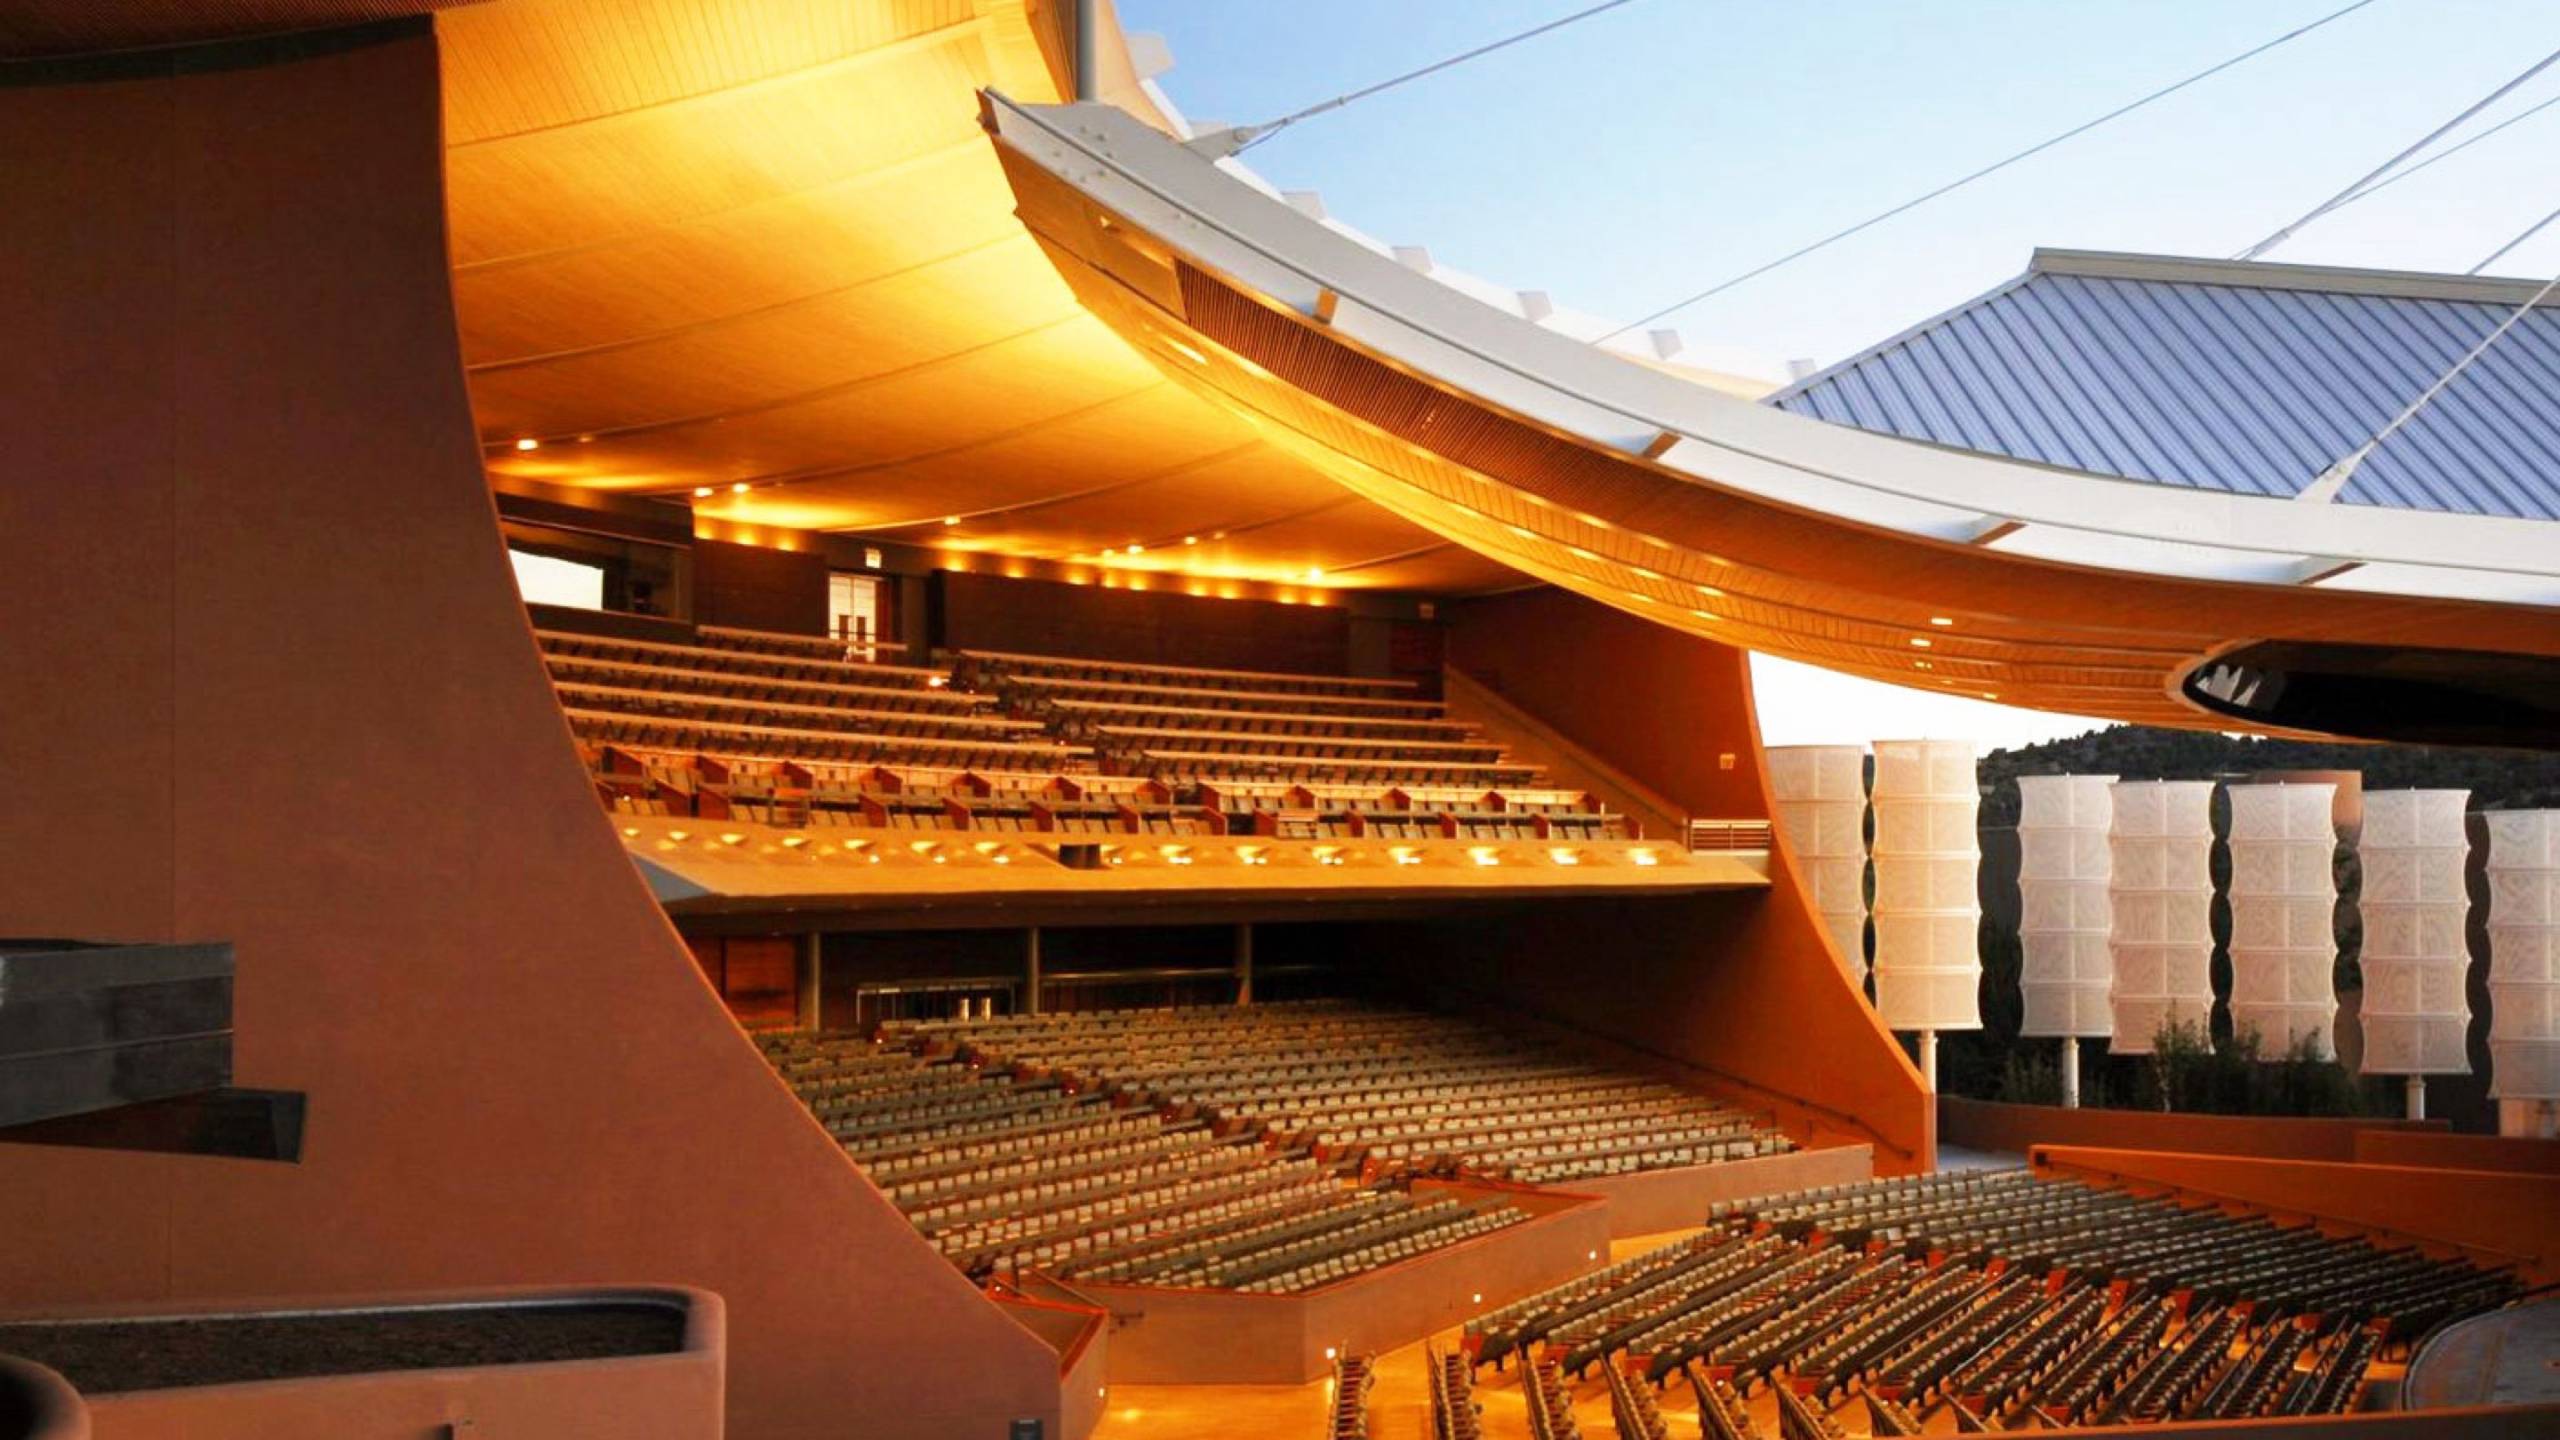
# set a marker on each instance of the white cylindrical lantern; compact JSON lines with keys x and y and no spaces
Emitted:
{"x":2524,"y":955}
{"x":2415,"y":951}
{"x":1928,"y":912}
{"x":2159,"y":908}
{"x":2284,"y":898}
{"x":1821,"y":796}
{"x":2064,"y":969}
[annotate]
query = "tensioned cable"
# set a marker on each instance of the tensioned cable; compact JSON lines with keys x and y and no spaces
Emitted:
{"x":1252,"y":135}
{"x":2447,"y":153}
{"x":1995,"y":167}
{"x":2285,"y":233}
{"x":2530,"y":231}
{"x":2330,"y":481}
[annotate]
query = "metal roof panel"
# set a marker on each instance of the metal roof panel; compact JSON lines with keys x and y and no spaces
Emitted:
{"x":2245,"y":378}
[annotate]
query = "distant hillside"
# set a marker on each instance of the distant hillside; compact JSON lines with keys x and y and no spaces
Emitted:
{"x":2497,"y":779}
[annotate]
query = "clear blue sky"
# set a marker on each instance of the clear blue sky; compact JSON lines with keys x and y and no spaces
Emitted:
{"x":1649,"y":152}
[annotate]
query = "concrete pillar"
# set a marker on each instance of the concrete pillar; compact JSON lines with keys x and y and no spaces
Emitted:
{"x":1244,"y":964}
{"x":2070,"y":1072}
{"x":1929,"y":1060}
{"x":1031,"y":971}
{"x":811,"y":968}
{"x":2417,"y":1097}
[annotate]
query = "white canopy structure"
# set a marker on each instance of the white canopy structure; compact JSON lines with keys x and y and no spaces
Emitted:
{"x":2160,"y":908}
{"x":2416,"y":953}
{"x":1821,"y":797}
{"x":2064,"y":968}
{"x":2524,"y":968}
{"x":1928,"y":907}
{"x":2284,"y":897}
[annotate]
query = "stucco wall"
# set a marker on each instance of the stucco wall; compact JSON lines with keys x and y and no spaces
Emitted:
{"x":270,"y":684}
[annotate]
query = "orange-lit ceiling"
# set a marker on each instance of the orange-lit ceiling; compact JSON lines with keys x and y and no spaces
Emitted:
{"x":702,"y":245}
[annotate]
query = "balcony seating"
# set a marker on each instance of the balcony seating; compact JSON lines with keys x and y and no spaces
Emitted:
{"x":2007,"y":1301}
{"x":1002,"y":1171}
{"x":797,"y":730}
{"x":987,"y":667}
{"x":829,"y":665}
{"x":1388,"y":1093}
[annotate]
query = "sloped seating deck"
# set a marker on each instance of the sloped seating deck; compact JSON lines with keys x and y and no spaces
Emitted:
{"x":776,"y":642}
{"x":794,"y":742}
{"x":989,"y":663}
{"x":1001,"y":1172}
{"x":2012,"y":1302}
{"x":826,"y":667}
{"x":1205,"y":719}
{"x":745,"y":685}
{"x":1392,"y":1092}
{"x":675,"y":704}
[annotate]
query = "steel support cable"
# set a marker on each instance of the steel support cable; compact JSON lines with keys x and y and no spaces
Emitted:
{"x":2447,"y":153}
{"x":2496,"y":255}
{"x":2329,"y":482}
{"x":2286,"y":232}
{"x":1995,"y":167}
{"x":1245,"y":137}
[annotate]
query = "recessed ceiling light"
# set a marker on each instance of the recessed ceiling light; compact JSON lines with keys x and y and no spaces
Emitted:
{"x":950,"y":519}
{"x":740,"y":488}
{"x":1190,"y":539}
{"x":528,"y":443}
{"x":1922,"y":641}
{"x":1313,"y":573}
{"x":701,"y":492}
{"x":1137,"y":549}
{"x":1941,"y":620}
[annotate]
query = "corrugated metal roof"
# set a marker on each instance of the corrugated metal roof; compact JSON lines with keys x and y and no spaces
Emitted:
{"x":2247,"y":378}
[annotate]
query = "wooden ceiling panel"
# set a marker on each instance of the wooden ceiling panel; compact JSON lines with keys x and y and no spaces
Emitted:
{"x":602,"y":179}
{"x":740,"y":262}
{"x":595,"y":60}
{"x":892,"y":326}
{"x":700,"y":244}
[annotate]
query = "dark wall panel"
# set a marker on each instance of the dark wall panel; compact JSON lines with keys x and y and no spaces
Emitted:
{"x":1156,"y":627}
{"x":755,"y":587}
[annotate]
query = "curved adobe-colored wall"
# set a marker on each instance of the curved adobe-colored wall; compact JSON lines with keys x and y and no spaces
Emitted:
{"x":1741,"y":983}
{"x":2497,"y":1214}
{"x":270,"y":684}
{"x":1996,"y":1126}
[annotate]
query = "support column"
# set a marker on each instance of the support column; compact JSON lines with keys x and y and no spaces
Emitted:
{"x":1929,"y":1060}
{"x":1031,"y":971}
{"x":2417,"y":1097}
{"x":1244,"y":963}
{"x":2071,"y":1072}
{"x":813,"y":990}
{"x":1088,"y":49}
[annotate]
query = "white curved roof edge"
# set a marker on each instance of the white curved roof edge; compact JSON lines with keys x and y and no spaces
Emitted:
{"x":1745,"y":374}
{"x":1236,"y":229}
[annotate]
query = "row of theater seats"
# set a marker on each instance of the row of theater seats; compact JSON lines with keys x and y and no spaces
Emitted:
{"x":2004,"y":1300}
{"x":1395,"y":1092}
{"x":1007,"y":1173}
{"x":799,"y":730}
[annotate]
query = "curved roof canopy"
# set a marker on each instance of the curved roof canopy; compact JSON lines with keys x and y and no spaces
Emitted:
{"x":2029,"y":584}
